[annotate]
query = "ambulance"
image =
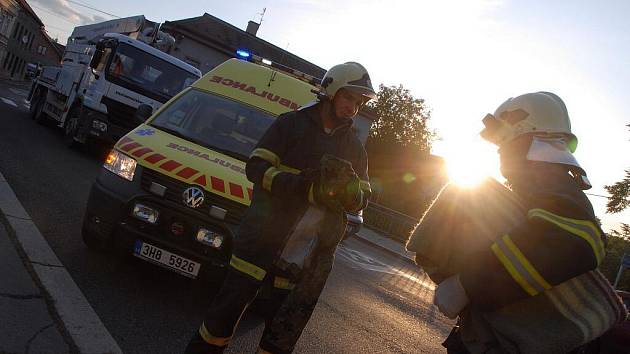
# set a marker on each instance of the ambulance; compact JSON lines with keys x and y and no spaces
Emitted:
{"x":173,"y":190}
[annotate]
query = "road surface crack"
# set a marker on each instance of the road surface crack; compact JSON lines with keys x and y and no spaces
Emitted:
{"x":46,"y":264}
{"x":21,"y":297}
{"x":17,"y":217}
{"x":30,"y":341}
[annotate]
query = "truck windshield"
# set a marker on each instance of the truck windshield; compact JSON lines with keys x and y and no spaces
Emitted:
{"x":217,"y":123}
{"x":149,"y":75}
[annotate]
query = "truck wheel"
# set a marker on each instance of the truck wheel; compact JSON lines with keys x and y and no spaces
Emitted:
{"x":71,"y":127}
{"x":38,"y":114}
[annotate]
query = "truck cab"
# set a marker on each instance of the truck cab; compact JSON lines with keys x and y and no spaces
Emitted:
{"x":104,"y":77}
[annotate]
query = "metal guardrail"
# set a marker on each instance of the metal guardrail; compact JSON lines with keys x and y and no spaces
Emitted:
{"x":390,"y":223}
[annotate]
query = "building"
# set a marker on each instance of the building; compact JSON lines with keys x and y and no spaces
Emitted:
{"x":9,"y":10}
{"x":206,"y":41}
{"x":27,"y":44}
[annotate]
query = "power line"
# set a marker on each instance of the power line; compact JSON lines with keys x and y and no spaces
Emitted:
{"x":92,"y":8}
{"x":597,"y":195}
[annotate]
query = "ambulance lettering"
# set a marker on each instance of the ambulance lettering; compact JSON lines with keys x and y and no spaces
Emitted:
{"x":252,"y":90}
{"x":206,"y":157}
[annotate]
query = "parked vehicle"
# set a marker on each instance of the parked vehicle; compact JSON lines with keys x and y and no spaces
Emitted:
{"x":108,"y":70}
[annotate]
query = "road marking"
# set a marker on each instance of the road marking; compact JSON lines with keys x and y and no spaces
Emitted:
{"x":8,"y":101}
{"x":364,"y":261}
{"x":18,"y":91}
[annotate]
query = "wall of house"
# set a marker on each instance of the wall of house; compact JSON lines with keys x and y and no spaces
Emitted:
{"x":27,"y":44}
{"x":9,"y":10}
{"x":196,"y":53}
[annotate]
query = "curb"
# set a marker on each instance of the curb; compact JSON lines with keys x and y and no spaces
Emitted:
{"x":77,"y":316}
{"x":390,"y":251}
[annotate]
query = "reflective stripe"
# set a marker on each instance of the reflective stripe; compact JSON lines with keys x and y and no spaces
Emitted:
{"x":582,"y":228}
{"x":210,"y":339}
{"x":248,"y":268}
{"x":311,"y":196}
{"x":525,"y":263}
{"x":365,"y":186}
{"x":513,"y":272}
{"x":273,"y":159}
{"x":266,"y":155}
{"x":283,"y":283}
{"x":268,"y":177}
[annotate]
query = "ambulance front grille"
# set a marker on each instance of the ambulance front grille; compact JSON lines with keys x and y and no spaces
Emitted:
{"x":175,"y":188}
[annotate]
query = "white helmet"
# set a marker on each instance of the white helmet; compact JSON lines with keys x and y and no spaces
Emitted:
{"x":544,"y":116}
{"x":539,"y":113}
{"x":352,"y":76}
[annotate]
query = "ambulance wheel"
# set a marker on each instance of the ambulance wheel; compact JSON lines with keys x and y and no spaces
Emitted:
{"x":71,"y":128}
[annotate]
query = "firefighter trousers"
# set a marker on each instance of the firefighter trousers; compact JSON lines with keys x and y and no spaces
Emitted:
{"x":222,"y":317}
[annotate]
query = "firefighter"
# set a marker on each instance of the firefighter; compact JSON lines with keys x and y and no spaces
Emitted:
{"x":290,"y":185}
{"x":560,"y":238}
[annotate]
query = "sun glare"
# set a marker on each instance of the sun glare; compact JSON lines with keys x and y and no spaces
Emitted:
{"x":469,"y":166}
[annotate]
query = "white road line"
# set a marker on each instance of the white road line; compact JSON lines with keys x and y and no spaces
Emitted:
{"x":18,"y":91}
{"x":8,"y":101}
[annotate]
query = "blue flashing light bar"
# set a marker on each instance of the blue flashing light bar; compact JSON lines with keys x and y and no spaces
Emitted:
{"x":243,"y":54}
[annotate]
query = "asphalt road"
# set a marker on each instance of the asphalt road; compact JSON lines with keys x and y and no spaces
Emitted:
{"x":373,"y":302}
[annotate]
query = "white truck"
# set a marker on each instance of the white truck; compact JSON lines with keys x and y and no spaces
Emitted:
{"x":108,"y":70}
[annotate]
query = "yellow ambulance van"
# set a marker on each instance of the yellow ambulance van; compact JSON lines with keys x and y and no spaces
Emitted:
{"x":173,"y":190}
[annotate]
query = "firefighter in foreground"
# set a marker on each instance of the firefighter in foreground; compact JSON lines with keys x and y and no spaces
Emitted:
{"x":308,"y":170}
{"x":534,"y":289}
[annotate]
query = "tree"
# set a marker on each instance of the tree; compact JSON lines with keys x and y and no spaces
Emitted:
{"x":398,"y":148}
{"x":402,"y":121}
{"x":619,"y":240}
{"x":619,"y":194}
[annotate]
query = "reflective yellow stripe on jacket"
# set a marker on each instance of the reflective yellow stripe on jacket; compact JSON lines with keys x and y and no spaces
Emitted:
{"x":585,"y":229}
{"x":248,"y":268}
{"x":275,"y":169}
{"x":518,"y":266}
{"x":210,"y":339}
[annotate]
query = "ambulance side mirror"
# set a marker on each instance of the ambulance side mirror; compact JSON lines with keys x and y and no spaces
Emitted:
{"x":143,"y":112}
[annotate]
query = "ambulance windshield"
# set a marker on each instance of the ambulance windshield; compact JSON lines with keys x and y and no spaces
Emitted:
{"x":217,"y":123}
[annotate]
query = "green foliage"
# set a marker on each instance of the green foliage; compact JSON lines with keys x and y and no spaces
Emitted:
{"x":398,"y":147}
{"x":619,"y":194}
{"x":615,"y":250}
{"x":402,"y":121}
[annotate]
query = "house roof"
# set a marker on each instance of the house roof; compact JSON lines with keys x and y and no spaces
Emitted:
{"x":30,"y":11}
{"x":228,"y":38}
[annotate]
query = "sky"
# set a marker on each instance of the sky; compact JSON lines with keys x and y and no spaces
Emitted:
{"x":464,"y":57}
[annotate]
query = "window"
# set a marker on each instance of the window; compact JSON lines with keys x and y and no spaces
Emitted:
{"x":215,"y":122}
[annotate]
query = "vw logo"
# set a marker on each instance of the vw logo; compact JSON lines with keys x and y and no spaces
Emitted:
{"x":193,"y":197}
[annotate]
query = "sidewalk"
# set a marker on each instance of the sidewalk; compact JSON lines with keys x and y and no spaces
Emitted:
{"x":42,"y":310}
{"x":27,"y":323}
{"x":389,"y":245}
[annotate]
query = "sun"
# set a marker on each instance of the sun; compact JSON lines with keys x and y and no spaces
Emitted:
{"x":469,"y":164}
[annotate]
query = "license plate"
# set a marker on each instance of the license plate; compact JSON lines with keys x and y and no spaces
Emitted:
{"x":164,"y":258}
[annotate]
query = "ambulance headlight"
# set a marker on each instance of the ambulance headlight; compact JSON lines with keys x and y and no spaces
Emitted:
{"x":122,"y":165}
{"x":210,"y":238}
